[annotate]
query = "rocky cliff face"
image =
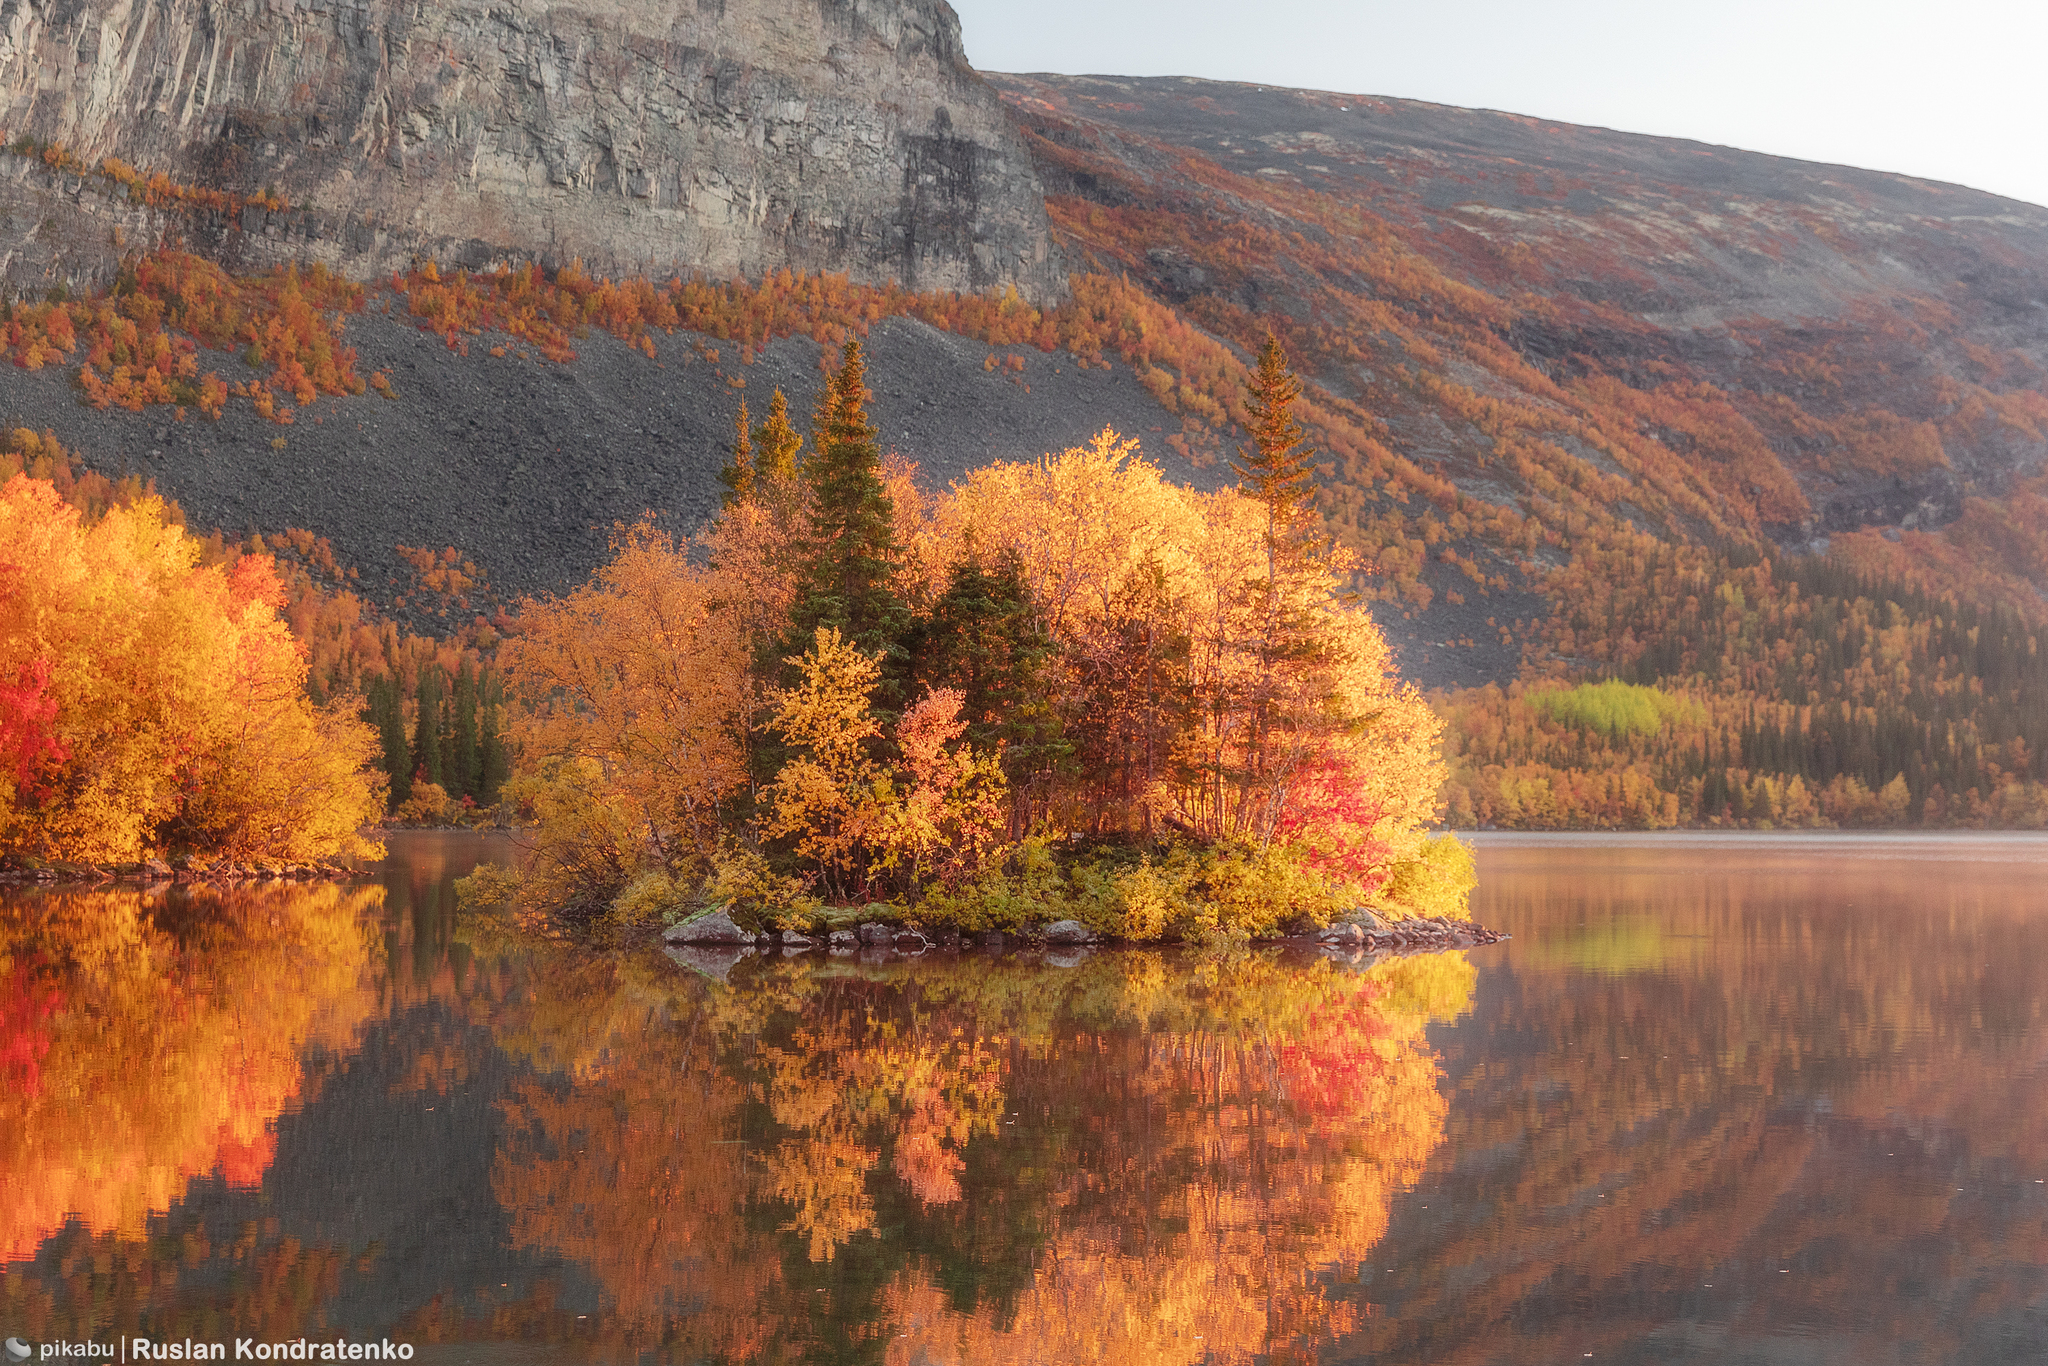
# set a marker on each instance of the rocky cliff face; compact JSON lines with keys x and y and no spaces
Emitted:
{"x":724,"y":136}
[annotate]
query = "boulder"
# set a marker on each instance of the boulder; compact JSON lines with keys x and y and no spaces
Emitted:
{"x":877,"y":934}
{"x":1342,"y":934}
{"x":792,"y":940}
{"x":1367,"y":920}
{"x":713,"y":927}
{"x":1069,"y":932}
{"x":845,"y":939}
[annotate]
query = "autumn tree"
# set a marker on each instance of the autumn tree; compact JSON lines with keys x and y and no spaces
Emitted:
{"x":858,"y":824}
{"x":154,"y":705}
{"x":631,"y":700}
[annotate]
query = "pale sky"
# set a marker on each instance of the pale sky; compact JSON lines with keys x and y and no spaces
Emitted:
{"x":1955,"y":91}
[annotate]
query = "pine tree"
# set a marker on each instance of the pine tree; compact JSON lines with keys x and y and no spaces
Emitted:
{"x":1289,"y":687}
{"x":1277,"y":472}
{"x":846,"y":579}
{"x":426,"y":734}
{"x":463,"y":772}
{"x":494,"y":762}
{"x":383,"y":711}
{"x":738,"y":475}
{"x":985,"y":638}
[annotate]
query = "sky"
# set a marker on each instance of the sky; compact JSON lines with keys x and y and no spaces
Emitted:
{"x":1954,"y":91}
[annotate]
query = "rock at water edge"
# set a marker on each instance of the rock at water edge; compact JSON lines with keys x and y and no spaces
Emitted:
{"x":714,"y":927}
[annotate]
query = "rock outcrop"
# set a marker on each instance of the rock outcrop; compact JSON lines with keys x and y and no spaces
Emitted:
{"x":722,"y":136}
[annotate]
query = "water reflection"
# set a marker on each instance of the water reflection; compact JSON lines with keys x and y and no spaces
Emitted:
{"x":1741,"y":1100}
{"x":1716,"y":1101}
{"x":353,"y":1113}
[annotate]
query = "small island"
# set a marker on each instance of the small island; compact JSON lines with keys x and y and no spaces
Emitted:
{"x":1066,"y":693}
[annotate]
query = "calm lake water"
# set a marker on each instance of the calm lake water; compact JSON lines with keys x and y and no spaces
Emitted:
{"x":1719,"y":1100}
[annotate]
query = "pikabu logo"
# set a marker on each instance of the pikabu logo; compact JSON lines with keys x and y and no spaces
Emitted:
{"x":17,"y":1350}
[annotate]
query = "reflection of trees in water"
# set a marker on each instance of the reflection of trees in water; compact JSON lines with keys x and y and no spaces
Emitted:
{"x":158,"y":1038}
{"x":1732,"y":1075}
{"x":1143,"y":1158}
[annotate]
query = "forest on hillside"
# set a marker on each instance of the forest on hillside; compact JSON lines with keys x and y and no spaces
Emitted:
{"x":1882,"y":681}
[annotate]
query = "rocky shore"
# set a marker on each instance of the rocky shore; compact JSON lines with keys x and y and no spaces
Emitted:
{"x":157,"y":871}
{"x":714,"y":944}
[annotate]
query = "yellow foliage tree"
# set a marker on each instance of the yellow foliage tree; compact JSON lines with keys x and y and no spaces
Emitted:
{"x":631,"y":709}
{"x":157,"y":705}
{"x":847,"y":813}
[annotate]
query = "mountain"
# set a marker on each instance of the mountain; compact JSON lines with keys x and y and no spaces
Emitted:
{"x":1824,"y":349}
{"x":723,"y":136}
{"x":1763,"y":438}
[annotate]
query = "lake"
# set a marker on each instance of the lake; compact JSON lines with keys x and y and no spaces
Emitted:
{"x":1741,"y":1099}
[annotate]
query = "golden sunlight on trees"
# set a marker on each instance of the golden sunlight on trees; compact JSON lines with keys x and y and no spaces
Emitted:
{"x":153,"y":705}
{"x":867,"y":692}
{"x":631,"y":700}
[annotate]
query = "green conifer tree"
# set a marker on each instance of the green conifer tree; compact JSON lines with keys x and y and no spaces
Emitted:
{"x":846,"y":579}
{"x":494,"y":760}
{"x":383,"y":711}
{"x":463,"y":773}
{"x":778,"y":443}
{"x":985,"y":638}
{"x":426,"y":734}
{"x":1289,"y":689}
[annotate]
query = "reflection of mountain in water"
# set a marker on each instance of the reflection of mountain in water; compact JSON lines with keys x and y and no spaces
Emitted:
{"x":1717,"y":1106}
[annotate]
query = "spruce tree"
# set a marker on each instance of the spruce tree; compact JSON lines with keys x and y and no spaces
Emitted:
{"x":985,"y":637}
{"x":462,"y":765}
{"x":846,"y":578}
{"x":384,"y":712}
{"x":493,"y":761}
{"x":1277,"y":472}
{"x":1290,"y":685}
{"x":426,"y":733}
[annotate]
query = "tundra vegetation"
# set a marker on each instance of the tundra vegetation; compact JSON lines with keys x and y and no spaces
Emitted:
{"x":1066,"y":689}
{"x":1888,"y":682}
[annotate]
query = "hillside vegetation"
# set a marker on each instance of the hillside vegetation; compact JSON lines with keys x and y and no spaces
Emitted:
{"x":1761,"y":436}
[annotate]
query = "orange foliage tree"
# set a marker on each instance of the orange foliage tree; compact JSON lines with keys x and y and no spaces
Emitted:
{"x":158,"y":705}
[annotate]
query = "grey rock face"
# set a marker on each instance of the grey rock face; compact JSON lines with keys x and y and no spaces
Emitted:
{"x":1069,"y":932}
{"x":844,"y":939}
{"x":873,"y":934}
{"x":723,"y":136}
{"x":715,"y":927}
